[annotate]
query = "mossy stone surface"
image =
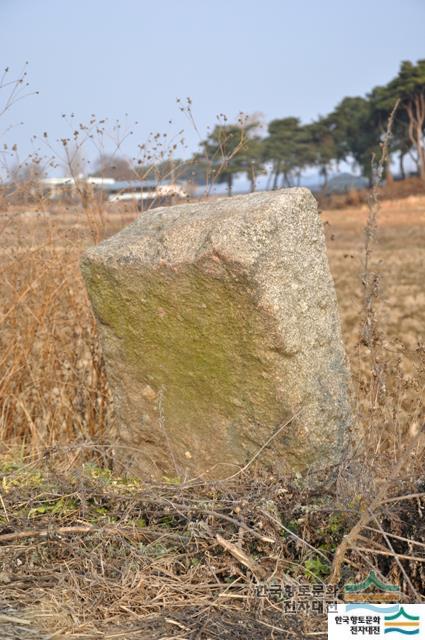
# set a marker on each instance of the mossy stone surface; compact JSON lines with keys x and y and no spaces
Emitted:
{"x":201,"y":319}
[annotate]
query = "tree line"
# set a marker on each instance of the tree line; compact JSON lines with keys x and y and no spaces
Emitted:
{"x":353,"y":132}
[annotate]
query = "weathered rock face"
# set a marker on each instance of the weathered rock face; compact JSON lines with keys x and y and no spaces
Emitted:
{"x":219,"y":323}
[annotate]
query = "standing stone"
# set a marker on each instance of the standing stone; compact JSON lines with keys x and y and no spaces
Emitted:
{"x":219,"y":323}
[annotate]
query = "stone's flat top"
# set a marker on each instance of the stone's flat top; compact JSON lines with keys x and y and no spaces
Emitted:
{"x":183,"y":231}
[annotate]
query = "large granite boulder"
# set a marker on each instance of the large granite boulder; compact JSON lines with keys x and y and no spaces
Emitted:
{"x":219,"y":324}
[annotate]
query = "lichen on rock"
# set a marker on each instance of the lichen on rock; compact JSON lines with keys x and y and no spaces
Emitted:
{"x":219,"y":323}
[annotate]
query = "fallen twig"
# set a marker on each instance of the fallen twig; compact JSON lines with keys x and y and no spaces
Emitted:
{"x":60,"y":531}
{"x":240,"y":556}
{"x":393,"y":535}
{"x":389,"y":553}
{"x":5,"y":618}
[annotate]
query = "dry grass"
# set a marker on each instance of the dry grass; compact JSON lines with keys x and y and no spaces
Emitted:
{"x":53,"y":388}
{"x":89,"y":555}
{"x":391,"y":398}
{"x":160,"y":561}
{"x":356,"y":197}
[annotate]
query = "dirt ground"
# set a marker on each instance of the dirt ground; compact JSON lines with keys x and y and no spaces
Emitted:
{"x":400,"y":262}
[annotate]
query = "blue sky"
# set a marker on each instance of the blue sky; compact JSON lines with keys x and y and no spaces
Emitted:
{"x":278,"y":57}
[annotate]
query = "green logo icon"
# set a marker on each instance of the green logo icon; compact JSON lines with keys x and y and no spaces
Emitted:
{"x":383,"y":592}
{"x":408,"y":625}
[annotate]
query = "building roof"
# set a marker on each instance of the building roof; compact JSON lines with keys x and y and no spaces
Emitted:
{"x":124,"y":185}
{"x":108,"y":184}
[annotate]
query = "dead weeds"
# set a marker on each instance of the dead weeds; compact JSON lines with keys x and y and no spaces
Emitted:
{"x":93,"y":555}
{"x":86,"y":554}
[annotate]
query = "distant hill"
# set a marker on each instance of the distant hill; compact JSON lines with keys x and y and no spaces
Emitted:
{"x":345,"y":182}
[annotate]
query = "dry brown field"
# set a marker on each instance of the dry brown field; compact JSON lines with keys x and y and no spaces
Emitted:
{"x":52,"y":383}
{"x":103,"y":558}
{"x":400,"y":261}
